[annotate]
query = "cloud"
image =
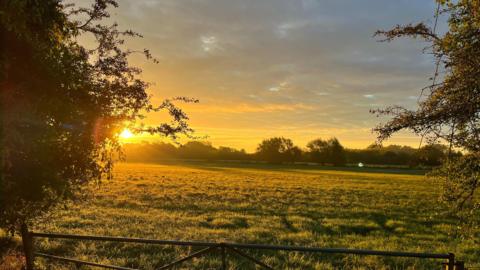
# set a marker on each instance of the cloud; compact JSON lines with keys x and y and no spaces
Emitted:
{"x":274,"y":89}
{"x":249,"y":108}
{"x":210,"y":44}
{"x":290,"y":62}
{"x":281,"y":86}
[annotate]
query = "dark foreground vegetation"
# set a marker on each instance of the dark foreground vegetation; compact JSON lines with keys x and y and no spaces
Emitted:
{"x":282,"y":150}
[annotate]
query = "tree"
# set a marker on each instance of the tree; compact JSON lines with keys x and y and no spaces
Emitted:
{"x":329,"y":151}
{"x":431,"y":155}
{"x":294,"y":154}
{"x":318,"y":151}
{"x":388,"y":155}
{"x":277,"y":150}
{"x":149,"y":152}
{"x":450,"y":109}
{"x":228,"y":153}
{"x":460,"y":181}
{"x":196,"y":150}
{"x":63,"y":104}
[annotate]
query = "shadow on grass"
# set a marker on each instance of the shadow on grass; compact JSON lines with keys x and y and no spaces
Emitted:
{"x":220,"y":166}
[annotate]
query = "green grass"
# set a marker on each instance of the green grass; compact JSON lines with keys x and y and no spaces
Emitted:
{"x":265,"y":204}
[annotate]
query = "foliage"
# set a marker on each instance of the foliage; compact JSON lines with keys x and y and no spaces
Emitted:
{"x":63,"y":103}
{"x":277,"y":150}
{"x":149,"y":152}
{"x":387,"y":155}
{"x":426,"y":156}
{"x":196,"y":150}
{"x":460,"y":178}
{"x":327,"y":151}
{"x":229,"y":153}
{"x":450,"y":110}
{"x":158,"y":152}
{"x":431,"y":155}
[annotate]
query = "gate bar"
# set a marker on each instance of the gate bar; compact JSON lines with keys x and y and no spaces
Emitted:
{"x":82,"y":262}
{"x":246,"y":246}
{"x":193,"y":255}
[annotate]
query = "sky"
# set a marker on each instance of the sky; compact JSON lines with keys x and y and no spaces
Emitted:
{"x":298,"y":69}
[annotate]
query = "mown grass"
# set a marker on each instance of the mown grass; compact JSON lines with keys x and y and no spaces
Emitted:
{"x":289,"y":205}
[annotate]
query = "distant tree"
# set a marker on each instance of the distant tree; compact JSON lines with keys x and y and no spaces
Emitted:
{"x":277,"y":150}
{"x":197,"y":150}
{"x":389,"y":157}
{"x":329,"y":151}
{"x":383,"y":155}
{"x":295,"y":154}
{"x":62,"y":104}
{"x":149,"y":152}
{"x":337,"y":152}
{"x":431,"y":155}
{"x":228,"y":153}
{"x":317,"y":150}
{"x":375,"y":146}
{"x":450,"y":108}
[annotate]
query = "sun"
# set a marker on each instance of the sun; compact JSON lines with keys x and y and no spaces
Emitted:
{"x":126,"y":134}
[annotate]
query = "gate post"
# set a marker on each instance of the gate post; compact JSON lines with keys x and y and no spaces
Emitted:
{"x":27,"y":242}
{"x":224,"y":257}
{"x":451,"y":261}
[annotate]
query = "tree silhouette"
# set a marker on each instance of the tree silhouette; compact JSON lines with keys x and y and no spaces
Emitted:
{"x":431,"y":155}
{"x":277,"y":150}
{"x":197,"y":150}
{"x":63,"y":103}
{"x":329,"y":151}
{"x":449,"y":109}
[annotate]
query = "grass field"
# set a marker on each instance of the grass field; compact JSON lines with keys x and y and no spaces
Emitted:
{"x":389,"y":210}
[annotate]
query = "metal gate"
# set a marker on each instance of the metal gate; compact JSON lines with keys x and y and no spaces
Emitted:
{"x":222,"y":249}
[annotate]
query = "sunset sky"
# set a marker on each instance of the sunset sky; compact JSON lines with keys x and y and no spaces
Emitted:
{"x":299,"y":69}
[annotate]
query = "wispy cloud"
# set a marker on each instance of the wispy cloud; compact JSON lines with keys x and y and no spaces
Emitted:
{"x":210,"y":44}
{"x":249,"y":108}
{"x":278,"y":87}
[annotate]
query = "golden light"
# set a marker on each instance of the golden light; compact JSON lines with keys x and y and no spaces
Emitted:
{"x":126,"y":134}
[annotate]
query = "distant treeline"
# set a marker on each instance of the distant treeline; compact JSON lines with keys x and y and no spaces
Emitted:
{"x":282,"y":150}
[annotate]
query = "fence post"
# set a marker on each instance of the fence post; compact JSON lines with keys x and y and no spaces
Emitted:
{"x":27,"y":242}
{"x":224,"y":258}
{"x":451,"y":261}
{"x":459,"y":265}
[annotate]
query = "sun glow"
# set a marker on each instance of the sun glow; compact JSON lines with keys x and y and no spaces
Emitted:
{"x":126,"y":134}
